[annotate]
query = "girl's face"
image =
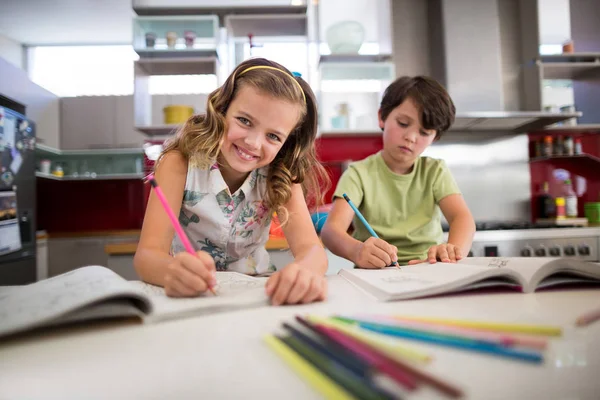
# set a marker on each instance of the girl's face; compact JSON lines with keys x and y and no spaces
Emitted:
{"x":257,"y":127}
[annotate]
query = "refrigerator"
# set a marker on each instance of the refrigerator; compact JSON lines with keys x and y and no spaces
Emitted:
{"x":17,"y":199}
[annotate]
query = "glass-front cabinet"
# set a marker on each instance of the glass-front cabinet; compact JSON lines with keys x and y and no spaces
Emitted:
{"x":354,"y":63}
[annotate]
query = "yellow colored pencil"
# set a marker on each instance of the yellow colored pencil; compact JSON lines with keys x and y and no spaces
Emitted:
{"x":544,"y":330}
{"x":327,"y":387}
{"x":404,"y":353}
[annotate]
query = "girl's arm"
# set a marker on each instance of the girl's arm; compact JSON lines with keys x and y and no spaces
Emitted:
{"x":184,"y":274}
{"x":462,"y":225}
{"x":301,"y":281}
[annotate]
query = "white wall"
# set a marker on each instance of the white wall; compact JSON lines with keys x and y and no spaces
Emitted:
{"x":11,"y":51}
{"x":554,"y":21}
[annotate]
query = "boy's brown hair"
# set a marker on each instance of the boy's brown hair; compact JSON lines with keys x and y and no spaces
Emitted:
{"x":436,"y":108}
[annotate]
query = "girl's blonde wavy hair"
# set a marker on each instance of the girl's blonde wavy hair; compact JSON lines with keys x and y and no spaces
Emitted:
{"x":201,"y":137}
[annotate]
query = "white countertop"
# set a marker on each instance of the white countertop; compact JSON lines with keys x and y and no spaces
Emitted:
{"x":224,"y":356}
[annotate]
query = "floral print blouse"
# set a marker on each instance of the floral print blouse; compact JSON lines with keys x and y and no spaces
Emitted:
{"x":232,"y":228}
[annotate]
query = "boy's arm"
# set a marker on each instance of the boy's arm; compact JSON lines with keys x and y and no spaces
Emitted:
{"x":462,"y":225}
{"x":335,"y":231}
{"x":373,"y":253}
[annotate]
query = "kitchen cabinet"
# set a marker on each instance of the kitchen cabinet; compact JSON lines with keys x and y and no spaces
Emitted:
{"x":87,"y":122}
{"x":68,"y":253}
{"x":98,"y":122}
{"x":125,"y":135}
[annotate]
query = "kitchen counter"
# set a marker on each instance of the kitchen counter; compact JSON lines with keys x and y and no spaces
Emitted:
{"x":128,"y":248}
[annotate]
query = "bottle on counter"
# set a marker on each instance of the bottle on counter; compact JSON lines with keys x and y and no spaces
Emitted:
{"x":569,"y":146}
{"x":547,"y":149}
{"x":558,"y":146}
{"x":578,"y":147}
{"x":546,"y":205}
{"x":570,"y":199}
{"x":560,"y":208}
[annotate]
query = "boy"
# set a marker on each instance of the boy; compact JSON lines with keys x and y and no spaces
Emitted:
{"x":398,"y":191}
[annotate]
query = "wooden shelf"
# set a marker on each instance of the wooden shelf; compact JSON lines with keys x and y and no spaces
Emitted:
{"x":354,"y":58}
{"x":569,"y":66}
{"x":573,"y":128}
{"x":98,"y":177}
{"x":176,"y":66}
{"x":262,"y":25}
{"x":92,"y":152}
{"x":588,"y":161}
{"x":158,"y":130}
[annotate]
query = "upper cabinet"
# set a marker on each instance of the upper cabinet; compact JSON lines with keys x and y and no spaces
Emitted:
{"x":170,"y":45}
{"x":354,"y":63}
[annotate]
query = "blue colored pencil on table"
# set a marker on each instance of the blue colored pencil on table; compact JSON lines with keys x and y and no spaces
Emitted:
{"x":363,"y":220}
{"x":467,"y":344}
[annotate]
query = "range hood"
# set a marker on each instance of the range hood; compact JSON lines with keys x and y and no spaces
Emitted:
{"x":467,"y":55}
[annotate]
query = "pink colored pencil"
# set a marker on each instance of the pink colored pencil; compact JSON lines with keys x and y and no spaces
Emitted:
{"x":588,"y":318}
{"x":391,"y":367}
{"x":492,"y":337}
{"x":174,"y":221}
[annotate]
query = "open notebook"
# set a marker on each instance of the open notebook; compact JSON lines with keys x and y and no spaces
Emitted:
{"x":95,"y":292}
{"x":421,"y":280}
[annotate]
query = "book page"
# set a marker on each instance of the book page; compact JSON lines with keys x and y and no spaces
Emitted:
{"x":46,"y":301}
{"x":425,"y":279}
{"x":234,"y":291}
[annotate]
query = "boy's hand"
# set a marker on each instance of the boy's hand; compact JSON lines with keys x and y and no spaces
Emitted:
{"x":295,"y":284}
{"x":190,"y":275}
{"x":375,"y":253}
{"x":445,"y":252}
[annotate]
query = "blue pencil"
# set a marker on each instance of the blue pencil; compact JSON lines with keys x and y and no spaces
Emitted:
{"x":447,"y":341}
{"x":363,"y":220}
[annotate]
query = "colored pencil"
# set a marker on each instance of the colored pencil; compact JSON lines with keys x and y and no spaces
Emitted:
{"x":174,"y":221}
{"x":417,"y":373}
{"x":326,"y":386}
{"x":544,"y":330}
{"x":486,"y":336}
{"x":588,"y":318}
{"x":364,"y":221}
{"x":383,"y":366}
{"x":466,"y":344}
{"x":393,"y":350}
{"x":356,"y":384}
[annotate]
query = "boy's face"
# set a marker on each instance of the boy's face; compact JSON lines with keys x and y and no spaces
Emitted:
{"x":403,"y":137}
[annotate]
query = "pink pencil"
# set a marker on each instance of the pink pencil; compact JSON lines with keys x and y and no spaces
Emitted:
{"x":497,"y":338}
{"x":178,"y":229}
{"x":588,"y":318}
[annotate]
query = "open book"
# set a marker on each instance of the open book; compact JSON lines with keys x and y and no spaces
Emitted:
{"x":525,"y":274}
{"x":95,"y":292}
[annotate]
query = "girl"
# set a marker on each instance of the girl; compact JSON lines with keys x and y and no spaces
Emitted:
{"x":225,"y":173}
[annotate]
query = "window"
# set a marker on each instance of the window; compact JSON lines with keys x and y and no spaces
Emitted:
{"x":70,"y":71}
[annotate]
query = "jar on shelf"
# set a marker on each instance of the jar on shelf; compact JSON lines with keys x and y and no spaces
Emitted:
{"x":150,"y":40}
{"x":190,"y":37}
{"x":171,"y":39}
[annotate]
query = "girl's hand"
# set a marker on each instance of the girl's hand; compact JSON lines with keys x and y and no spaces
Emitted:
{"x":189,"y":275}
{"x":295,"y":284}
{"x":375,"y":253}
{"x":445,"y":252}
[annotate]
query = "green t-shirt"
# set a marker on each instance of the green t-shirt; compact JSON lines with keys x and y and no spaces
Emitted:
{"x":402,"y":209}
